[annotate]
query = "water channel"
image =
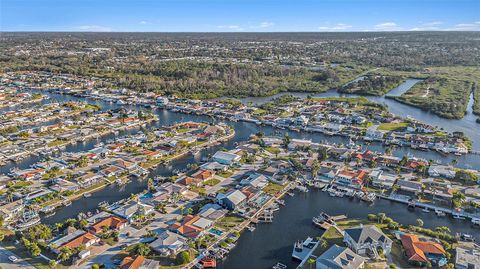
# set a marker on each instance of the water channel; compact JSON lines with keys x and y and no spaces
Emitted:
{"x":271,"y":243}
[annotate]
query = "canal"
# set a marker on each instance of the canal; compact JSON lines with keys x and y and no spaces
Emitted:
{"x":270,"y":243}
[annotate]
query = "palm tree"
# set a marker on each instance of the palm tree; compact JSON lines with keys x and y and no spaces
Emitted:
{"x":311,"y":262}
{"x":65,"y":254}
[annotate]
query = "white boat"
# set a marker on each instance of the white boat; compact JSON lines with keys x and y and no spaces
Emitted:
{"x":475,"y":221}
{"x":426,"y":210}
{"x":457,"y":216}
{"x":440,"y":213}
{"x":86,"y":195}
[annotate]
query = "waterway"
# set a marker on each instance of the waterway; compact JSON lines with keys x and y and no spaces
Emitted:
{"x":466,"y":125}
{"x":271,"y":243}
{"x":242,"y":132}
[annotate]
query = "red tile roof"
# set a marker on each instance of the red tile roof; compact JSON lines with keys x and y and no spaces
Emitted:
{"x":416,"y":250}
{"x":132,"y":263}
{"x":112,"y":222}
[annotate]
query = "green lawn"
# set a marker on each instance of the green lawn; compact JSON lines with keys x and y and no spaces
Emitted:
{"x":212,"y":182}
{"x":272,"y":150}
{"x":273,"y":189}
{"x":393,"y":126}
{"x":228,"y":222}
{"x":20,"y":251}
{"x":225,"y":174}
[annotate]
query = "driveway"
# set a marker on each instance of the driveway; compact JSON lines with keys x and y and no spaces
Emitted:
{"x":7,"y":264}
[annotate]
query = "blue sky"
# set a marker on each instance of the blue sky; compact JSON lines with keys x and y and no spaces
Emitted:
{"x":238,"y":15}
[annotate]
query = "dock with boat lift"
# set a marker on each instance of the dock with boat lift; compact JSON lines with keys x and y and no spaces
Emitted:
{"x":436,"y":209}
{"x":304,"y":249}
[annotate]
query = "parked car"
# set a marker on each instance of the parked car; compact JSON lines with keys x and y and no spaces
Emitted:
{"x":13,"y":258}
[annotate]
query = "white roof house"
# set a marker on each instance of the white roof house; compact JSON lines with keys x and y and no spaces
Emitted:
{"x":169,"y":243}
{"x":226,"y":158}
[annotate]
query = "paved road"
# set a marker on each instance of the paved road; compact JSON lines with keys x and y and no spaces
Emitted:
{"x":5,"y":263}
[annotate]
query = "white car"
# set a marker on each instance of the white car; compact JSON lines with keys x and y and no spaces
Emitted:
{"x":13,"y":258}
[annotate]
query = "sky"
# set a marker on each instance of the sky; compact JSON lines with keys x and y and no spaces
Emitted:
{"x":239,"y":15}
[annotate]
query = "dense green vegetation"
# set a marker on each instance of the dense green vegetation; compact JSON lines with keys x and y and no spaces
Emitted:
{"x":205,"y":65}
{"x":445,"y":97}
{"x":476,"y":96}
{"x":372,"y":85}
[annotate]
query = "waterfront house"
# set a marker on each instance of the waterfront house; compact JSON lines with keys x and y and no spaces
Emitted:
{"x":410,"y":186}
{"x":255,"y":180}
{"x":138,"y":262}
{"x":111,"y":171}
{"x":366,"y":240}
{"x":444,"y":171}
{"x":212,"y":212}
{"x":129,"y":210}
{"x":422,"y":251}
{"x":232,"y":199}
{"x":72,"y":240}
{"x":226,"y":158}
{"x":214,"y":166}
{"x":295,"y":143}
{"x":337,"y":257}
{"x":467,"y":256}
{"x":191,"y":226}
{"x":89,"y":179}
{"x":351,"y":178}
{"x":62,"y":185}
{"x":373,"y":134}
{"x":112,"y":223}
{"x":169,"y":244}
{"x":381,"y":179}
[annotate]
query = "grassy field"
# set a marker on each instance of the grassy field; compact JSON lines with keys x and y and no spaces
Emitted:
{"x":447,"y":98}
{"x":228,"y":222}
{"x":212,"y":182}
{"x":273,"y":189}
{"x":393,"y":126}
{"x":225,"y":174}
{"x":476,"y":105}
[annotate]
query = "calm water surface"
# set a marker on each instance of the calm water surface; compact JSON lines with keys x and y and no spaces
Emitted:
{"x":271,"y":243}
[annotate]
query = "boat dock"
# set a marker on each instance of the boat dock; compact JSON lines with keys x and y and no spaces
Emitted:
{"x":436,"y":209}
{"x":303,"y":250}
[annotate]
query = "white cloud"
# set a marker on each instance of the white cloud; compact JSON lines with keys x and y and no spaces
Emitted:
{"x":93,"y":28}
{"x":474,"y":26}
{"x":337,"y":27}
{"x":387,"y":26}
{"x":266,"y":24}
{"x":429,"y":26}
{"x":143,"y":22}
{"x":231,"y":27}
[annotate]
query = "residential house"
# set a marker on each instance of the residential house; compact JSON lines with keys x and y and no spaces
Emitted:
{"x":138,"y":262}
{"x":467,"y":256}
{"x":381,"y":179}
{"x":232,"y":199}
{"x":366,"y":240}
{"x":226,"y":158}
{"x":255,"y":180}
{"x":422,"y":251}
{"x":168,"y":244}
{"x":337,"y":257}
{"x":112,"y":223}
{"x":191,"y":226}
{"x":132,"y":208}
{"x":351,"y":178}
